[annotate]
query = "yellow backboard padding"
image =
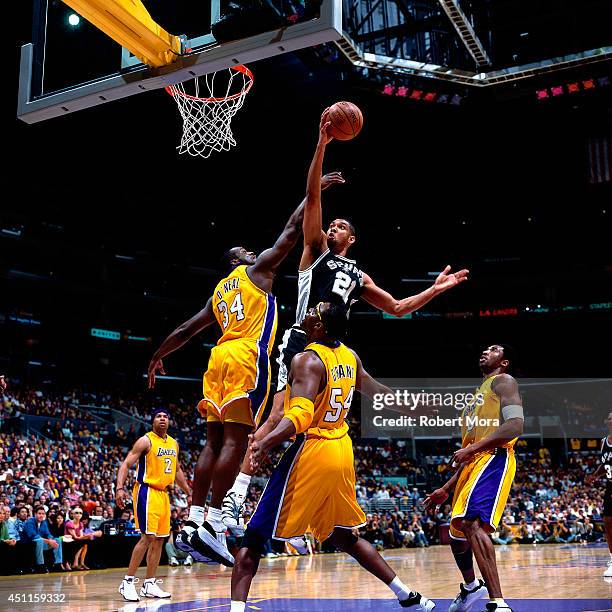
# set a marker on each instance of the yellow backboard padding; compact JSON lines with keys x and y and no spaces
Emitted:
{"x":128,"y":23}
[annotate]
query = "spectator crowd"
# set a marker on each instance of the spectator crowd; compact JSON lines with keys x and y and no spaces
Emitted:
{"x":57,"y":485}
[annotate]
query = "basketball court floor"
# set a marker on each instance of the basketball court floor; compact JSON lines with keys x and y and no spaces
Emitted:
{"x":550,"y":578}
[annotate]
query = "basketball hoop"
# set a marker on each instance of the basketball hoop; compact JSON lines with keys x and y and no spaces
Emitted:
{"x":207,"y":120}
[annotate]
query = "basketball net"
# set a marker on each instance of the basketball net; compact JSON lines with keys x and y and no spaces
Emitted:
{"x":207,"y":114}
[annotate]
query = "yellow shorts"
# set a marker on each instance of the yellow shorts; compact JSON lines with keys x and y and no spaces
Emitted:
{"x":151,"y":510}
{"x":482,"y":490}
{"x":236,"y":369}
{"x":311,"y":490}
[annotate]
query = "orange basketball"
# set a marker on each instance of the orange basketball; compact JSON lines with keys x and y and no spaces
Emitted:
{"x":346,"y":120}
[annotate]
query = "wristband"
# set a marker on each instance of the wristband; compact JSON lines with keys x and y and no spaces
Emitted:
{"x":300,"y":413}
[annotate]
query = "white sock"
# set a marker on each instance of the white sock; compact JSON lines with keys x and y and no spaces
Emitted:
{"x":400,"y":589}
{"x":238,"y":606}
{"x":150,"y":579}
{"x":611,"y":556}
{"x":471,"y":585}
{"x":129,"y":578}
{"x":499,"y":601}
{"x":214,"y":518}
{"x":196,"y":514}
{"x":241,"y":485}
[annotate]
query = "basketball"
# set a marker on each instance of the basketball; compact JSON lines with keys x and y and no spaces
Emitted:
{"x":346,"y":120}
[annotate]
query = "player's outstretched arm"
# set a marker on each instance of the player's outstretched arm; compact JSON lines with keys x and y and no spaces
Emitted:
{"x":307,"y":374}
{"x":262,"y":272}
{"x":314,"y":236}
{"x":367,"y":385}
{"x":178,"y":337}
{"x":506,"y":388}
{"x":142,"y":446}
{"x":370,"y":387}
{"x":383,"y":300}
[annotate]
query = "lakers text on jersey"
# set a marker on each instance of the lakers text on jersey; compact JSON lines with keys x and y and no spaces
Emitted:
{"x":239,"y":366}
{"x":156,"y":471}
{"x":312,"y":489}
{"x":484,"y":483}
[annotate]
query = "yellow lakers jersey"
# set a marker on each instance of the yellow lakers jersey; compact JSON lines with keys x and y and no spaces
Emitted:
{"x":333,"y":403}
{"x":482,"y":416}
{"x":243,"y":310}
{"x":157,"y":468}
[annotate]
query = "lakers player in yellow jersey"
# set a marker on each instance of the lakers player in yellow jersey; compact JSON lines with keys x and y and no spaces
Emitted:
{"x":157,"y":455}
{"x":312,"y":489}
{"x":236,"y":383}
{"x":486,"y":465}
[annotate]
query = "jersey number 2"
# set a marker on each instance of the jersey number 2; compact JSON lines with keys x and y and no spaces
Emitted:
{"x":168,"y":469}
{"x":343,"y":285}
{"x":236,"y":308}
{"x":335,"y":401}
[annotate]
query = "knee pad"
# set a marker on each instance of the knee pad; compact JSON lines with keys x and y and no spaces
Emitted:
{"x":253,"y":540}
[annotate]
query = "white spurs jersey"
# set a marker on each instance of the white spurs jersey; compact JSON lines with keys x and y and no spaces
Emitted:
{"x":331,"y":278}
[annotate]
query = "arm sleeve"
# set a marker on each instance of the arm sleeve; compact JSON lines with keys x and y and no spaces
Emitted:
{"x":300,"y":413}
{"x":512,"y":412}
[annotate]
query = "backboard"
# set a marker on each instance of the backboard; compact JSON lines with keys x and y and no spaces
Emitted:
{"x":70,"y":65}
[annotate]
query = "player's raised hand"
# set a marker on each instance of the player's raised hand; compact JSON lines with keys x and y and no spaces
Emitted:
{"x":447,"y":279}
{"x":331,"y":178}
{"x":439,"y":496}
{"x":324,"y":136}
{"x":156,"y":365}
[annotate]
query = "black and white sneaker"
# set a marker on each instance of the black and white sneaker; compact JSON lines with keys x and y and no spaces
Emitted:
{"x":466,"y":599}
{"x":231,"y":513}
{"x":493,"y":606}
{"x":182,"y":538}
{"x":417,"y":603}
{"x":301,"y":545}
{"x":210,"y":545}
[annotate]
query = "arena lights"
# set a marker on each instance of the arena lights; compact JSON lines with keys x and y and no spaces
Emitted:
{"x":23,"y":320}
{"x":572,"y":87}
{"x":421,"y":95}
{"x":498,"y":312}
{"x":507,"y":311}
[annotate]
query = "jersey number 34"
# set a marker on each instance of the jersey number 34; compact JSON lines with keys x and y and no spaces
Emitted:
{"x":236,"y":308}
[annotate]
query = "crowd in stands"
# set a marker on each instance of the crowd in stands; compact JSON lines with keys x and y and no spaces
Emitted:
{"x":57,"y":489}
